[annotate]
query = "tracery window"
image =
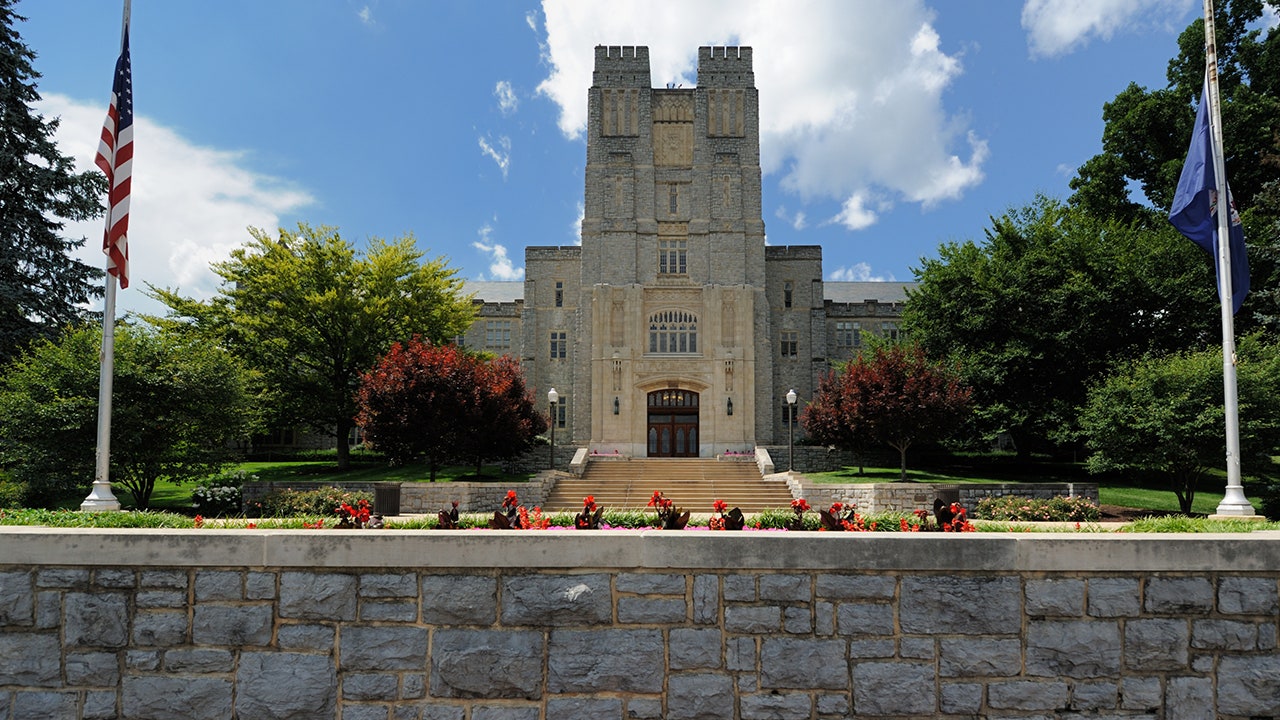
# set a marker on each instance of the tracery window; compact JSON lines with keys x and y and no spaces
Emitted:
{"x":673,"y":331}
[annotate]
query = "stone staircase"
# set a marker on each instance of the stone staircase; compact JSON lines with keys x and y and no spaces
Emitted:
{"x":692,"y":483}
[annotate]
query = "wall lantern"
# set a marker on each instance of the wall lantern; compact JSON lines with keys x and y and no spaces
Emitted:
{"x":729,"y":406}
{"x":615,"y":405}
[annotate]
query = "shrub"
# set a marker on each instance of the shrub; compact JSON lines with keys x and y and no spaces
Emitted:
{"x":1020,"y":509}
{"x":12,"y":492}
{"x":1270,"y":501}
{"x":220,"y":495}
{"x":325,"y":501}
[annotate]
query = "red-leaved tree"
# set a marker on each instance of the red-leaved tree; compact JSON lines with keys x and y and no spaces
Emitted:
{"x":896,"y":397}
{"x":440,"y":403}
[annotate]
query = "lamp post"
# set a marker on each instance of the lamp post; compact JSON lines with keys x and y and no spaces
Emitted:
{"x":791,"y":424}
{"x":552,"y":398}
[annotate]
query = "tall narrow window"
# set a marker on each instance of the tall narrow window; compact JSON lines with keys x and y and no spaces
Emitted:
{"x":559,"y":345}
{"x":848,"y":334}
{"x":790,"y":344}
{"x":559,"y":293}
{"x":673,"y":199}
{"x":561,"y":404}
{"x":673,"y":257}
{"x":497,"y":335}
{"x":890,"y":330}
{"x":788,"y":290}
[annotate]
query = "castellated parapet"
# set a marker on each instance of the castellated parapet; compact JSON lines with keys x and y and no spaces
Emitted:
{"x":725,"y":67}
{"x":621,"y":65}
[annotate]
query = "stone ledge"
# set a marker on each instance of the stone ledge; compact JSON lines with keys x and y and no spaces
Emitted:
{"x":642,"y":549}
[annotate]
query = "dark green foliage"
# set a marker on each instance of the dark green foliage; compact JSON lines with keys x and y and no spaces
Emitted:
{"x":42,"y":288}
{"x":1166,"y":415}
{"x":177,"y":405}
{"x":323,"y":502}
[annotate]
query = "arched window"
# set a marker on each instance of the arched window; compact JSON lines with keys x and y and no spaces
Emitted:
{"x":673,"y":331}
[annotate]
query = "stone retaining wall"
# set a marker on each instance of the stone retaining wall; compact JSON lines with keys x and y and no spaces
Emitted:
{"x":635,"y":624}
{"x":906,"y":497}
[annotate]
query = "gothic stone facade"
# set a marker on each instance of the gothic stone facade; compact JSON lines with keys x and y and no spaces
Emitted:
{"x":674,"y":330}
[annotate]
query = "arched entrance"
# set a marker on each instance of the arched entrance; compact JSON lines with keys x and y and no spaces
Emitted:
{"x":673,"y":423}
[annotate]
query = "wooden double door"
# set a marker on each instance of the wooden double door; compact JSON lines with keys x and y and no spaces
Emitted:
{"x":673,"y":423}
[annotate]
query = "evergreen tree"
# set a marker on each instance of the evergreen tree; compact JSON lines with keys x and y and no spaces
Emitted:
{"x":42,"y":288}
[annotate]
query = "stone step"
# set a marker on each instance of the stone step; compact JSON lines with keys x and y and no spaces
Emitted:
{"x":693,"y":484}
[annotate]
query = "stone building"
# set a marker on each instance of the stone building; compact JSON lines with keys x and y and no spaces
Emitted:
{"x":674,"y":330}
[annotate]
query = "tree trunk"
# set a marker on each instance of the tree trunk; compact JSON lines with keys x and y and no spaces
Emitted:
{"x":344,"y":449}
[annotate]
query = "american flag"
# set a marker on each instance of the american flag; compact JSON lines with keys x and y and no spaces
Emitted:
{"x":115,"y":157}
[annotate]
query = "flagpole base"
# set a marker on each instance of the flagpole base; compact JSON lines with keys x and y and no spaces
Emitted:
{"x":1235,"y":506}
{"x":100,"y":499}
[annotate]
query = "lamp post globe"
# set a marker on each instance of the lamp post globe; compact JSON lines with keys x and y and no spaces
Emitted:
{"x":552,"y":398}
{"x":791,"y":424}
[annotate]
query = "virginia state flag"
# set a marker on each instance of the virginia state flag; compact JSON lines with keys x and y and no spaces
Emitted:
{"x":1195,"y":206}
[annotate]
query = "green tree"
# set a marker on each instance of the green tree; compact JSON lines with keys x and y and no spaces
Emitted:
{"x":310,"y":313}
{"x":42,"y":288}
{"x":1165,"y":416}
{"x":177,"y":408}
{"x":1048,"y":301}
{"x":1147,"y":132}
{"x":891,"y":395}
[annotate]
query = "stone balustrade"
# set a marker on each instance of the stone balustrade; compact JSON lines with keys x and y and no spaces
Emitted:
{"x":434,"y":625}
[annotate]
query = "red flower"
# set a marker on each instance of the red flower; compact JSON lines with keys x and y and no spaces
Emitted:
{"x":719,"y":506}
{"x":252,"y":526}
{"x":199,"y":521}
{"x":589,"y":503}
{"x":656,"y":500}
{"x":836,"y":507}
{"x":510,"y":501}
{"x":800,"y":505}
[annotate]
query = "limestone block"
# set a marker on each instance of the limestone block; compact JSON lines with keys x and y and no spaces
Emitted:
{"x":459,"y":599}
{"x":413,"y":686}
{"x":62,"y":578}
{"x":916,"y":648}
{"x":219,"y":585}
{"x":173,"y":579}
{"x":1248,"y":596}
{"x":556,"y":600}
{"x":317,"y":596}
{"x":487,"y":664}
{"x":803,"y":663}
{"x":965,"y":657}
{"x":1114,"y":597}
{"x":650,"y":611}
{"x":98,"y":620}
{"x":1068,"y":648}
{"x":233,"y":625}
{"x":963,"y":605}
{"x":787,"y":706}
{"x":160,"y":598}
{"x":142,"y":660}
{"x":583,"y":708}
{"x":92,"y":669}
{"x":833,"y":705}
{"x":305,"y":637}
{"x":1249,"y":685}
{"x":824,"y":618}
{"x":43,"y":705}
{"x":706,"y":599}
{"x":960,"y":698}
{"x":797,"y":620}
{"x":894,"y":688}
{"x":785,"y":588}
{"x":1055,"y":596}
{"x":443,"y":712}
{"x":260,"y":586}
{"x":389,"y":585}
{"x":1095,"y":696}
{"x":402,"y":611}
{"x":864,"y":649}
{"x":17,"y":598}
{"x":1178,"y":595}
{"x":650,"y":584}
{"x":700,"y":696}
{"x":369,"y":686}
{"x":381,"y":648}
{"x":752,"y":619}
{"x":99,"y":705}
{"x":353,"y":711}
{"x":199,"y":661}
{"x":643,"y":708}
{"x":740,"y":654}
{"x":740,"y":588}
{"x":859,"y":619}
{"x":605,"y":660}
{"x":164,"y":697}
{"x":1188,"y":698}
{"x":1140,"y":693}
{"x":1223,"y":635}
{"x":694,"y":649}
{"x":1027,"y":695}
{"x":1156,"y":644}
{"x":283,"y":685}
{"x":505,"y":712}
{"x":48,"y":610}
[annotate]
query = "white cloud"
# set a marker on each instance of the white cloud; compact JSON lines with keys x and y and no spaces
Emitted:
{"x":851,"y":92}
{"x":507,"y":100}
{"x":858,"y":272}
{"x":854,"y":214}
{"x":366,"y":15}
{"x":501,"y":155}
{"x":576,"y":230}
{"x":1057,"y":27}
{"x":190,"y":205}
{"x":798,"y":221}
{"x":500,"y":266}
{"x":1270,"y":17}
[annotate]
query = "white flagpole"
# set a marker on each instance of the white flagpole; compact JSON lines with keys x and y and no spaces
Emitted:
{"x":100,"y":498}
{"x":1234,"y":503}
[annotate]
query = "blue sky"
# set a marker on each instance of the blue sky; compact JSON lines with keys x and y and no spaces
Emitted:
{"x":887,"y":128}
